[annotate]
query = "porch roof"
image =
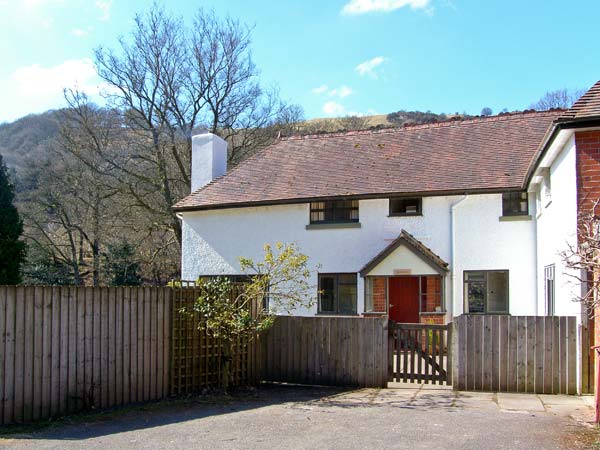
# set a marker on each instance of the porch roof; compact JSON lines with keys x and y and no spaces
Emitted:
{"x":417,"y":247}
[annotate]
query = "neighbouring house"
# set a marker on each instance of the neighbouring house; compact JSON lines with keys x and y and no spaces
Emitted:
{"x":420,"y":223}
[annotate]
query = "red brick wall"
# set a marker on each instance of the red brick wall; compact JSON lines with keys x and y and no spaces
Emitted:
{"x":433,"y":319}
{"x":588,"y":169}
{"x":432,"y":291}
{"x":588,"y":191}
{"x":379,"y":294}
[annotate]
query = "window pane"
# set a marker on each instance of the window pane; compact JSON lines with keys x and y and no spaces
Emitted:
{"x":347,"y":278}
{"x":431,"y":294}
{"x":497,"y":292}
{"x":347,"y":298}
{"x":514,"y":203}
{"x":405,"y":206}
{"x":475,"y":292}
{"x":327,"y":288}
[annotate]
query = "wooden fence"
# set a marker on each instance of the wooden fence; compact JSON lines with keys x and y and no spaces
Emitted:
{"x":66,"y":349}
{"x":196,"y":356}
{"x":515,"y":354}
{"x":326,"y":351}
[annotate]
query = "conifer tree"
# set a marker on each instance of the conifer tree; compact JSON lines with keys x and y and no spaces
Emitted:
{"x":12,"y":250}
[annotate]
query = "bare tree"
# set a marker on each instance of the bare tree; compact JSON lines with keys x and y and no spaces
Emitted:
{"x":71,"y":210}
{"x":167,"y":80}
{"x":561,"y":99}
{"x":583,"y":257}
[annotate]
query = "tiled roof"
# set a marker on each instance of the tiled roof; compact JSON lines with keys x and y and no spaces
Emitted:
{"x":481,"y":154}
{"x":587,"y":106}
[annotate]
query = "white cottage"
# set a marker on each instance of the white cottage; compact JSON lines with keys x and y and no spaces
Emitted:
{"x":420,"y":223}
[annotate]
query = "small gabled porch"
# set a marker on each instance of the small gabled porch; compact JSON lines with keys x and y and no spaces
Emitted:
{"x":405,"y":281}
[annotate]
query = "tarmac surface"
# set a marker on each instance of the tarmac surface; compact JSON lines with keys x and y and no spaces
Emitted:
{"x":404,"y":416}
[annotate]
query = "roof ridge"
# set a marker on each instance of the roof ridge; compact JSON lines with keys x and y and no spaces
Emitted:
{"x":421,"y":126}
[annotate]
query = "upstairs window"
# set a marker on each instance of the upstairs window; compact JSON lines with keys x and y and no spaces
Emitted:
{"x":334,"y":211}
{"x":337,"y":293}
{"x":515,"y":204}
{"x":405,"y":206}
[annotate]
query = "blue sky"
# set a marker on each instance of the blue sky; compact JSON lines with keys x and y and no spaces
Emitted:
{"x":333,"y":57}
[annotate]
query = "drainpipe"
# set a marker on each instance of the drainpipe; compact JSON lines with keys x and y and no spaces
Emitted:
{"x":453,"y":209}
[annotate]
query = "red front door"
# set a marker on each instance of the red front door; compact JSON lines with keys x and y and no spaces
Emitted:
{"x":404,"y":299}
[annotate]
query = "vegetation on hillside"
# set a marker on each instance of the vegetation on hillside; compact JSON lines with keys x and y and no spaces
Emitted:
{"x":12,"y":248}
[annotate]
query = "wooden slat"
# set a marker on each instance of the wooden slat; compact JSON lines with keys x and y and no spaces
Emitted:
{"x":530,"y":354}
{"x":563,"y":355}
{"x":538,"y":356}
{"x":46,"y":353}
{"x":8,"y":400}
{"x":503,"y":353}
{"x":486,"y":360}
{"x":28,"y":349}
{"x":571,"y":355}
{"x":79,"y":354}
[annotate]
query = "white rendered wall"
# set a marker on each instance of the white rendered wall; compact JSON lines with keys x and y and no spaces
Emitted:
{"x":556,"y":227}
{"x":213,"y":241}
{"x":483,"y":242}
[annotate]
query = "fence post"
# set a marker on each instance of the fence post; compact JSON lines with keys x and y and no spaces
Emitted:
{"x":451,"y":365}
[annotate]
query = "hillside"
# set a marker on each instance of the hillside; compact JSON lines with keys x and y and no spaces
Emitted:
{"x":23,"y":137}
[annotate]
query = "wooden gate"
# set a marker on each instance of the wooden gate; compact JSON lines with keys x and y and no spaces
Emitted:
{"x":420,"y":353}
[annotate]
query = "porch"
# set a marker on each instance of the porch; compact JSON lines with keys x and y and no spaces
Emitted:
{"x":406,"y":282}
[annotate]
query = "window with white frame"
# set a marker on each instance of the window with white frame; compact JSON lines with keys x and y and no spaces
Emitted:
{"x":549,"y":289}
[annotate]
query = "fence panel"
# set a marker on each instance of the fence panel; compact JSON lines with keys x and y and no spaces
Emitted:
{"x":66,"y":349}
{"x":531,"y":354}
{"x":196,"y":355}
{"x":326,"y":351}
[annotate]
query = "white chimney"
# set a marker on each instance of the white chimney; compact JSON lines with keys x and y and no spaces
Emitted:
{"x":209,"y":159}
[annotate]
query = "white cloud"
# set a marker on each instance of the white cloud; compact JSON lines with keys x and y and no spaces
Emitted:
{"x":333,"y":109}
{"x":104,"y":7}
{"x":320,"y":90}
{"x":368,"y":67}
{"x":341,"y":92}
{"x":365,"y":6}
{"x":80,"y":32}
{"x":35,"y":88}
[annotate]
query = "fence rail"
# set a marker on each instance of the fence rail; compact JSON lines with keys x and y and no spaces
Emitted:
{"x":338,"y":351}
{"x":516,"y":354}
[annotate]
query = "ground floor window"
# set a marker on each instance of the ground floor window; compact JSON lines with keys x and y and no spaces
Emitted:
{"x":486,"y":291}
{"x":549,"y":289}
{"x":337,"y":293}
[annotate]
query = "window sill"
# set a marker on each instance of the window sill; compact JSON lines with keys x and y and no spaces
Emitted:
{"x":323,"y":314}
{"x":514,"y":218}
{"x":433,"y":313}
{"x":332,"y":226}
{"x":374,"y":313}
{"x":406,"y":215}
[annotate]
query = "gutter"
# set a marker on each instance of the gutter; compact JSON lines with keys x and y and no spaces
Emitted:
{"x":453,"y":209}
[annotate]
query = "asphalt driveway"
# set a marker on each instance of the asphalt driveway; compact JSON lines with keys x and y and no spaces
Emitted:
{"x":404,"y":416}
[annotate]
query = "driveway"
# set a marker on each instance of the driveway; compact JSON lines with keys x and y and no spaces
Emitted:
{"x":403,"y":416}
